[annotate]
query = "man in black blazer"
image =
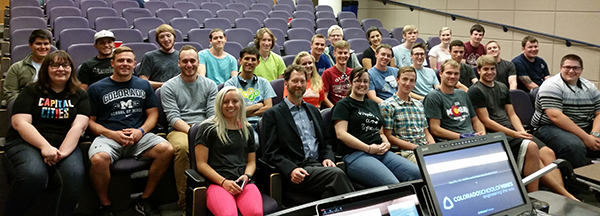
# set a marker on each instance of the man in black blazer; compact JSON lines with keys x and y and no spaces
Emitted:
{"x":298,"y":144}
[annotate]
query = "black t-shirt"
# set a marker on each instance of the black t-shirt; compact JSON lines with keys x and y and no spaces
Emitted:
{"x":229,"y":160}
{"x":52,"y":113}
{"x":94,"y":69}
{"x":504,"y":70}
{"x":370,"y":53}
{"x":364,"y":121}
{"x":466,"y":74}
{"x":492,"y":98}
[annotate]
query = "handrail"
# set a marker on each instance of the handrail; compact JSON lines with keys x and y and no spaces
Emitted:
{"x":568,"y":42}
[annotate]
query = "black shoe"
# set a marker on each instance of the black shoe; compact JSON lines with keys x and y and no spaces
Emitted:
{"x":106,"y":210}
{"x":144,"y":207}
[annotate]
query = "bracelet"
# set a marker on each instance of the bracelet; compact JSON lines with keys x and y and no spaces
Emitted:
{"x":249,"y":176}
{"x":143,"y":131}
{"x":223,"y":181}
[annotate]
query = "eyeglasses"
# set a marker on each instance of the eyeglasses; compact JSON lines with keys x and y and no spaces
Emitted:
{"x":57,"y":65}
{"x":574,"y":68}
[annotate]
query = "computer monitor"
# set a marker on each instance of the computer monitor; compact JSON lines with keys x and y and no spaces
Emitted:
{"x":473,"y":176}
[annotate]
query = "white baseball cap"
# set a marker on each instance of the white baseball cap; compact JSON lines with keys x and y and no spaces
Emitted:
{"x":103,"y":34}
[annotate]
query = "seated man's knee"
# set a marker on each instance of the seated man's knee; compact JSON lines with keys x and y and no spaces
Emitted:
{"x":547,"y":153}
{"x":163,"y":149}
{"x":532,"y":149}
{"x":100,"y":159}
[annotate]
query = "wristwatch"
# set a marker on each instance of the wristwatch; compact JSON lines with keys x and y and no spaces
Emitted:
{"x":595,"y":133}
{"x":250,"y":176}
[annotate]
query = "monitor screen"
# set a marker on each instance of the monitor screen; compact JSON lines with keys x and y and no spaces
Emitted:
{"x":477,"y":180}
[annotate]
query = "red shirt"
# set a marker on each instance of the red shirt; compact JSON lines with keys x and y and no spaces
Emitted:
{"x":335,"y":83}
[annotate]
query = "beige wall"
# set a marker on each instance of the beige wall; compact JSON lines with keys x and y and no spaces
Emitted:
{"x":575,"y":19}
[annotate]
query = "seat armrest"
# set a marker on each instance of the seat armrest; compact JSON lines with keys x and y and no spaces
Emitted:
{"x":268,"y":167}
{"x":195,"y":176}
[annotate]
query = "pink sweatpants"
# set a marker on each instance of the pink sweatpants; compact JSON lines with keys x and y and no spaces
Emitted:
{"x":220,"y":202}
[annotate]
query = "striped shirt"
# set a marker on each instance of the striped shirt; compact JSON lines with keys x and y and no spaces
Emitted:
{"x":406,"y":119}
{"x":579,"y":102}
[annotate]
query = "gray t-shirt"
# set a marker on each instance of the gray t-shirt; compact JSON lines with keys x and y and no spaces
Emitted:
{"x":191,"y":102}
{"x":494,"y":99}
{"x":454,"y":110}
{"x":160,"y":66}
{"x":504,"y":70}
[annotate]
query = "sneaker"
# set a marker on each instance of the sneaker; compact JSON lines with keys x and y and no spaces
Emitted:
{"x":144,"y":207}
{"x":106,"y":210}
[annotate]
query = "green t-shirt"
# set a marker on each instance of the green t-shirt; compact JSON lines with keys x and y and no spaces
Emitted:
{"x":271,"y":68}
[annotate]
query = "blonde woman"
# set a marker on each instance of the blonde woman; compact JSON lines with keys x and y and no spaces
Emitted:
{"x":441,"y":52}
{"x":226,"y":154}
{"x":315,"y":94}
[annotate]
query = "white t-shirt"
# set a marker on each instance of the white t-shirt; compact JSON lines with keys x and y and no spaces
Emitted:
{"x":437,"y":52}
{"x":37,"y":67}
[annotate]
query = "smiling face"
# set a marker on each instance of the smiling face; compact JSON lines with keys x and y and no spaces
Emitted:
{"x":383,"y":56}
{"x":105,"y":47}
{"x":418,"y":56}
{"x":375,"y":38}
{"x":248,"y":63}
{"x":487,"y":73}
{"x":476,"y":37}
{"x":231,"y":104}
{"x":446,"y":36}
{"x":450,"y":76}
{"x":360,"y":85}
{"x":59,"y":71}
{"x":166,"y":40}
{"x":570,"y":71}
{"x":188,"y":63}
{"x":492,"y":49}
{"x":335,"y":36}
{"x":123,"y":64}
{"x":317,"y":46}
{"x":40,"y":47}
{"x":342,"y":55}
{"x":530,"y":50}
{"x":218,"y":40}
{"x":406,"y":82}
{"x":266,"y":42}
{"x":296,"y":85}
{"x":308,"y":64}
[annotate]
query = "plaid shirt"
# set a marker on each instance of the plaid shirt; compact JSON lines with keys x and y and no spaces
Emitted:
{"x":406,"y":119}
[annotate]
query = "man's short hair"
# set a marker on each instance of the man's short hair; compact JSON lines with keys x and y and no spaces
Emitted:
{"x":250,"y":51}
{"x":486,"y":60}
{"x":386,"y":46}
{"x":341,"y":45}
{"x":312,"y":40}
{"x":215,"y":30}
{"x":187,"y":47}
{"x":571,"y":57}
{"x":417,"y":45}
{"x":478,"y":28}
{"x":457,"y":43}
{"x":293,"y":67}
{"x":406,"y":69}
{"x":445,"y":29}
{"x":409,"y":28}
{"x":449,"y":62}
{"x":333,"y":28}
{"x":164,"y":28}
{"x":259,"y":36}
{"x":40,"y":33}
{"x":122,"y":49}
{"x":493,"y":41}
{"x":529,"y":39}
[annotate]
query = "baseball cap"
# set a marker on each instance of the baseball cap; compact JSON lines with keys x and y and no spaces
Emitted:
{"x":103,"y":34}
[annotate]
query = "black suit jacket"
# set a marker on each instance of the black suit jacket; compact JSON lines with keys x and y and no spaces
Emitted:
{"x":283,"y":146}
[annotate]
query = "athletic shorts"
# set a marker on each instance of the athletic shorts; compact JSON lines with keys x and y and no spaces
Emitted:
{"x":116,"y":150}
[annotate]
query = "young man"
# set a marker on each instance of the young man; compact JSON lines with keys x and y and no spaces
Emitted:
{"x":26,"y":71}
{"x":298,"y":143}
{"x":492,"y":103}
{"x":177,"y":95}
{"x":97,"y":68}
{"x":506,"y":72}
{"x":473,"y":47}
{"x":382,"y":77}
{"x":335,"y":33}
{"x":567,"y":111}
{"x":405,"y":121}
{"x":160,"y":65}
{"x":335,"y":79}
{"x":215,"y":63}
{"x":317,"y":46}
{"x":448,"y":110}
{"x":271,"y":65}
{"x":410,"y":33}
{"x":531,"y":69}
{"x":426,"y":78}
{"x":123,"y":112}
{"x":467,"y":76}
{"x":257,"y":91}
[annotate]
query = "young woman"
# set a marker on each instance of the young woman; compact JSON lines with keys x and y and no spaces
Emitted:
{"x":47,"y":121}
{"x":359,"y":128}
{"x":226,"y":154}
{"x":374,"y":37}
{"x":441,"y":52}
{"x":315,"y":94}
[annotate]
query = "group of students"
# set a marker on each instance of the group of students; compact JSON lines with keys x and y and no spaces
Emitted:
{"x":373,"y":109}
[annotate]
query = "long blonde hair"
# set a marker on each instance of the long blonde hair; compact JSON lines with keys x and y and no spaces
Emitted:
{"x":219,"y":123}
{"x":315,"y":80}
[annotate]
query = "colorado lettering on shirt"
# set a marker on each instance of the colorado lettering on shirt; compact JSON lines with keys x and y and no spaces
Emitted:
{"x":55,"y":109}
{"x":123,"y":93}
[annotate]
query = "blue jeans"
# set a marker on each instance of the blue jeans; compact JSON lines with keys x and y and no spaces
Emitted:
{"x":33,"y":176}
{"x":376,"y":170}
{"x":565,"y":145}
